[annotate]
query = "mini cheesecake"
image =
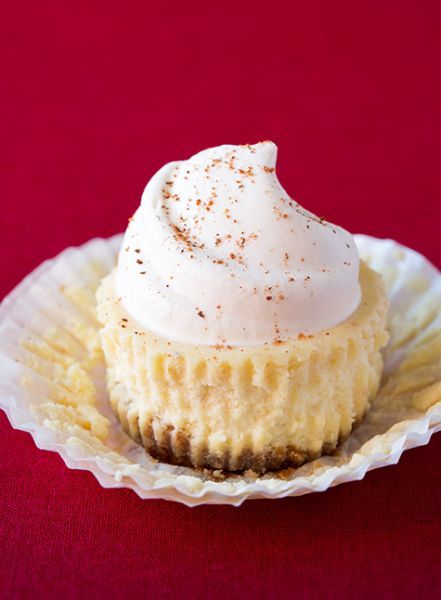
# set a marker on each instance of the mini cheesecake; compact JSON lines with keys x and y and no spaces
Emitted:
{"x":267,"y":373}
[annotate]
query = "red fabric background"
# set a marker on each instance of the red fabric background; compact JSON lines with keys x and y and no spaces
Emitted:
{"x":95,"y":97}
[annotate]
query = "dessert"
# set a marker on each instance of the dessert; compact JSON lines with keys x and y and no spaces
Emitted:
{"x":240,"y":331}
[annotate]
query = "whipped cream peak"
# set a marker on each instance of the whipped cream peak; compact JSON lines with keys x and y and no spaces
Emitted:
{"x":218,"y":253}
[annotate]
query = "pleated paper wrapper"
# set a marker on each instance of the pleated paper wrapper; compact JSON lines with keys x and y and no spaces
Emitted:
{"x":52,"y":382}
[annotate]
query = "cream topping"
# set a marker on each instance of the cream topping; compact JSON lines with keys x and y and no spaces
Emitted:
{"x":218,"y":253}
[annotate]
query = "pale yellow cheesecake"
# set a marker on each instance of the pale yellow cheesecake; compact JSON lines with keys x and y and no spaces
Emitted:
{"x":240,"y":331}
{"x":260,"y":407}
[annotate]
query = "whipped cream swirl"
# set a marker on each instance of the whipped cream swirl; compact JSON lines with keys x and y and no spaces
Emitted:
{"x":218,"y":253}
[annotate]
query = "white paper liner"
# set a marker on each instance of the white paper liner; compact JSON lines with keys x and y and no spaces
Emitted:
{"x":52,"y":382}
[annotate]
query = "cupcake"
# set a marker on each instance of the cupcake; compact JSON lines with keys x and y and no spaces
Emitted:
{"x":240,"y":331}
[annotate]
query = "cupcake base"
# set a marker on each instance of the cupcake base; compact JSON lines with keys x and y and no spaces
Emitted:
{"x":175,"y":447}
{"x":263,"y":407}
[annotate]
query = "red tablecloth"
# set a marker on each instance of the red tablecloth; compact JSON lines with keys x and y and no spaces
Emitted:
{"x":95,"y":98}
